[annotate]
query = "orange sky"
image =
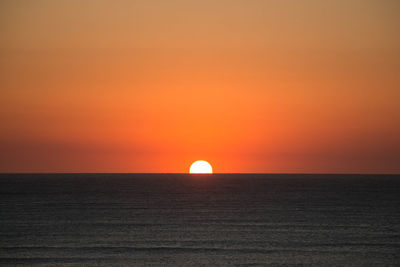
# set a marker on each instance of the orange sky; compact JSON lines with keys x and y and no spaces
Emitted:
{"x":151,"y":86}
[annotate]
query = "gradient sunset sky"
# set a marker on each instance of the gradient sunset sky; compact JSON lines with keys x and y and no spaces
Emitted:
{"x":151,"y":86}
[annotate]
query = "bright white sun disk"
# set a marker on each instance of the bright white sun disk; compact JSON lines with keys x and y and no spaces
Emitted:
{"x":200,"y":166}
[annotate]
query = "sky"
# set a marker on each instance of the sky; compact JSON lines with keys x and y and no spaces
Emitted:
{"x":151,"y":86}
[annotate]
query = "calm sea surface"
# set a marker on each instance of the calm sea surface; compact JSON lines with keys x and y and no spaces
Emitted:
{"x":181,"y":220}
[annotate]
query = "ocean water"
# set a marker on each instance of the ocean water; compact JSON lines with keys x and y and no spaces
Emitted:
{"x":192,"y":220}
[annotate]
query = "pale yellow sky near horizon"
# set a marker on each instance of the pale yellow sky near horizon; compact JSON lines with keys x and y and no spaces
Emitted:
{"x":151,"y":86}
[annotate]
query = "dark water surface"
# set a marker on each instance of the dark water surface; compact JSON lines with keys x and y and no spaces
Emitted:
{"x":180,"y":219}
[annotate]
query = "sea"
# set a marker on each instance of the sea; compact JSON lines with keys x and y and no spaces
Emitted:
{"x":199,"y":220}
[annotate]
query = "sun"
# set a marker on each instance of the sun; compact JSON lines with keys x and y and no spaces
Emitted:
{"x":200,"y":166}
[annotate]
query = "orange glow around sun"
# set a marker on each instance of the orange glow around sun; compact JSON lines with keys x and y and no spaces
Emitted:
{"x":200,"y":166}
{"x":146,"y":86}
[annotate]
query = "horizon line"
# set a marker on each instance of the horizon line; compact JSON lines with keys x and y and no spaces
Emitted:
{"x":277,"y":173}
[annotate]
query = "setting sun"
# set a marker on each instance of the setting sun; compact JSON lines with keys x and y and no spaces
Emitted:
{"x":200,"y":166}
